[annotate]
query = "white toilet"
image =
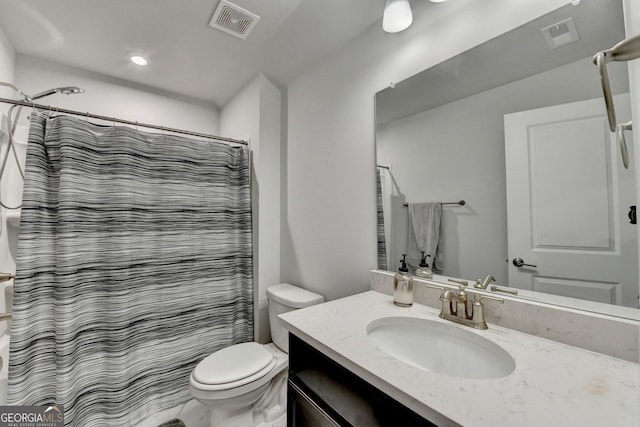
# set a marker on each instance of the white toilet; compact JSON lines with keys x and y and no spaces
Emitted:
{"x":244,"y":385}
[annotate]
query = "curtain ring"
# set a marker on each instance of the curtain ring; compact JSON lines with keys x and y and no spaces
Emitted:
{"x":136,"y":126}
{"x":86,"y":117}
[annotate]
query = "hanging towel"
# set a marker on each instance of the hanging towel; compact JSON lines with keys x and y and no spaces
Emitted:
{"x":424,"y":234}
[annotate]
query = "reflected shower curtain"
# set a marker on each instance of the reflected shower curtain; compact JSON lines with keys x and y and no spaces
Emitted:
{"x":382,"y":244}
{"x":134,"y":262}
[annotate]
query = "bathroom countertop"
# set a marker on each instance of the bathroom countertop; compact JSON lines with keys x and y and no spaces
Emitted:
{"x":552,"y":384}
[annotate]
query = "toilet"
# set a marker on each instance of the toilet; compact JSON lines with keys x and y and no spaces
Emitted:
{"x":244,"y":385}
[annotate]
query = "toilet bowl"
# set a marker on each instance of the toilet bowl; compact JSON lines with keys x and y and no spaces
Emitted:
{"x":244,"y":385}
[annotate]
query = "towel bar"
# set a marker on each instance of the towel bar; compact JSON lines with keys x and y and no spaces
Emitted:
{"x":6,"y":276}
{"x":460,"y":203}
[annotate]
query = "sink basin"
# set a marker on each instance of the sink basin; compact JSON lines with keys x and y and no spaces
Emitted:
{"x":440,"y":347}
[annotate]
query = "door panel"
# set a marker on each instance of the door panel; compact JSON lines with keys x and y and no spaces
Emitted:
{"x":567,"y":201}
{"x":592,"y":291}
{"x":560,"y":186}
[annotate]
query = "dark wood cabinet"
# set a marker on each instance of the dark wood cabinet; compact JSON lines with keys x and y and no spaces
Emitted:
{"x":322,"y":393}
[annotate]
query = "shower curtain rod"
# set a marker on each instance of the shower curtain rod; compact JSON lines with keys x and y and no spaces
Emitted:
{"x":117,"y":120}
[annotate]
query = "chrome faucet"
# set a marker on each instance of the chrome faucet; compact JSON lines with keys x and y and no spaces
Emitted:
{"x":454,"y":305}
{"x":482,"y":284}
{"x":457,"y":299}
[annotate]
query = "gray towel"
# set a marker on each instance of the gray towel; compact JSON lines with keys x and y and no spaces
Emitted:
{"x":424,"y":234}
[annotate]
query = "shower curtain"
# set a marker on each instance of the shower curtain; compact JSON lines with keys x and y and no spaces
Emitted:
{"x":134,"y":263}
{"x":382,"y":241}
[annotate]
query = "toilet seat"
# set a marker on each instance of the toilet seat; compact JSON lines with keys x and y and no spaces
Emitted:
{"x":233,"y":366}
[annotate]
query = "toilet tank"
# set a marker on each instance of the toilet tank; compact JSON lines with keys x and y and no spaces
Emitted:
{"x":283,"y":298}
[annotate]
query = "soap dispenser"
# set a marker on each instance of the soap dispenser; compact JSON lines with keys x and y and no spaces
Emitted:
{"x":403,"y":285}
{"x":423,"y":270}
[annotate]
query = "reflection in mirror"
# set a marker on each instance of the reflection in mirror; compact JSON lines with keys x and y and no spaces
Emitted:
{"x":516,"y":128}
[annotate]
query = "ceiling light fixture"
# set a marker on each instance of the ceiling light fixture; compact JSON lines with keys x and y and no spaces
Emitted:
{"x":138,"y":60}
{"x":397,"y":16}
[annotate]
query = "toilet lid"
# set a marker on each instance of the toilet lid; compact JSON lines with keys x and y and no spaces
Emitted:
{"x":232,"y":363}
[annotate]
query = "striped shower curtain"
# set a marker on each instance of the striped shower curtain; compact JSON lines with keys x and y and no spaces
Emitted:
{"x":380,"y":230}
{"x":134,"y":262}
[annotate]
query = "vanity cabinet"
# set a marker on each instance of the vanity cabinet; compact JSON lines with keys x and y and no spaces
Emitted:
{"x":321,"y":393}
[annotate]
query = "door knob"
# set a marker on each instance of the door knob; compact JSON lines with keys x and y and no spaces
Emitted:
{"x":519,"y":262}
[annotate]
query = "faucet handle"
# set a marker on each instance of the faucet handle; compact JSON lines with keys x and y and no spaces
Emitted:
{"x":460,"y":282}
{"x":442,"y":288}
{"x":495,"y":288}
{"x":478,"y":310}
{"x":488,"y":298}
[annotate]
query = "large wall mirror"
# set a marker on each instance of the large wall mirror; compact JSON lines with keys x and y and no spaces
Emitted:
{"x":517,"y":128}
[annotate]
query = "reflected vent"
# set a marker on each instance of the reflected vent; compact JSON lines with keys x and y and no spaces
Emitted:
{"x":233,"y":19}
{"x":560,"y":33}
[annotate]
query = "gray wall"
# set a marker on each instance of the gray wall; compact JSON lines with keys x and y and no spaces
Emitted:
{"x":328,"y":236}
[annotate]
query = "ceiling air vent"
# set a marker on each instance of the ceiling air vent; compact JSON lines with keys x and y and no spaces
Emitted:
{"x":233,"y":19}
{"x":560,"y":33}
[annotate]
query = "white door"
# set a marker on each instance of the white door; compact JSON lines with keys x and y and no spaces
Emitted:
{"x":568,"y":197}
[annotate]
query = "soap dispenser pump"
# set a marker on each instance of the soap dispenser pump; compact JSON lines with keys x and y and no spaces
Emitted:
{"x":423,"y":270}
{"x":403,"y":285}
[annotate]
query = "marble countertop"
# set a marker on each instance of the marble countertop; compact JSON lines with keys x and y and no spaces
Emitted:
{"x":552,"y":384}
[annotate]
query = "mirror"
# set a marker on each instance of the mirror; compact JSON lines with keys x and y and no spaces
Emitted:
{"x":516,"y":127}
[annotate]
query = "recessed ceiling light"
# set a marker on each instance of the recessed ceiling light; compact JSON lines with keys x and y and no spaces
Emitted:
{"x":138,"y":60}
{"x":437,"y":1}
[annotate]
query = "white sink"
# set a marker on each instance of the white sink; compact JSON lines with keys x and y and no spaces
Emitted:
{"x":440,"y":347}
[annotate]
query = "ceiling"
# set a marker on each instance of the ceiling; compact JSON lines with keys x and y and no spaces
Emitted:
{"x":186,"y":56}
{"x":512,"y":56}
